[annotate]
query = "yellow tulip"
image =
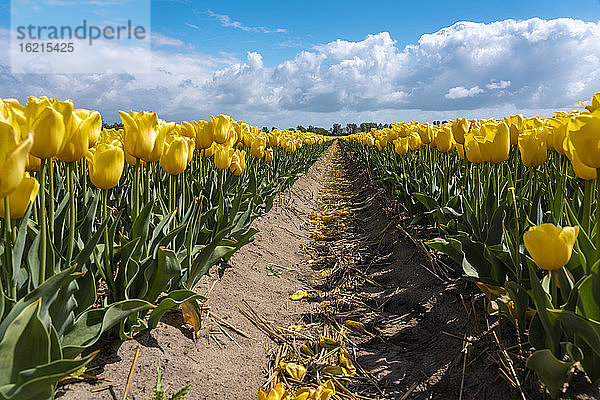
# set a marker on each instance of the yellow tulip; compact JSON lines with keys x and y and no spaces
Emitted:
{"x":46,"y":125}
{"x":550,"y":246}
{"x":141,"y":132}
{"x":443,"y":140}
{"x":258,"y":147}
{"x":175,"y":156}
{"x":584,"y":135}
{"x":581,"y":170}
{"x":92,"y":124}
{"x":20,"y":198}
{"x":472,"y":148}
{"x":460,"y":127}
{"x":236,"y":165}
{"x":414,"y":141}
{"x":223,"y":156}
{"x":12,"y":112}
{"x":426,"y":133}
{"x":221,"y":125}
{"x":13,"y":158}
{"x":401,"y":146}
{"x":516,"y":124}
{"x":269,"y":154}
{"x":75,"y":141}
{"x":532,"y":147}
{"x":188,"y":129}
{"x":204,"y":134}
{"x":496,"y":144}
{"x":106,"y":162}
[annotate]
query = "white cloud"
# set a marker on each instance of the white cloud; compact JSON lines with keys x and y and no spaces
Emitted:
{"x":163,"y":40}
{"x":226,"y":21}
{"x":532,"y":66}
{"x":497,"y":85}
{"x":460,"y":92}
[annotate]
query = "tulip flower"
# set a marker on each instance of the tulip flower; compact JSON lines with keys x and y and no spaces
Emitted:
{"x":532,"y":147}
{"x":76,"y":139}
{"x":460,"y":127}
{"x":258,"y":147}
{"x":106,"y":162}
{"x":21,"y":197}
{"x":472,"y":148}
{"x":46,"y":125}
{"x":443,"y":140}
{"x":175,"y":157}
{"x":269,"y":154}
{"x":141,"y":131}
{"x":401,"y":146}
{"x":496,"y":145}
{"x":238,"y":166}
{"x":414,"y":141}
{"x":550,"y":246}
{"x":92,"y":124}
{"x":164,"y":129}
{"x":204,"y":134}
{"x":223,"y":156}
{"x":584,"y":136}
{"x":13,"y":158}
{"x":515,"y":124}
{"x":221,"y":125}
{"x":581,"y":170}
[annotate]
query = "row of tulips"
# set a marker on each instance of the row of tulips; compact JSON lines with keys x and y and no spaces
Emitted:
{"x":516,"y":202}
{"x":105,"y":230}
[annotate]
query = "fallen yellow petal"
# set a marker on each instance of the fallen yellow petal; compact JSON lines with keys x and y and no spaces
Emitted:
{"x":300,"y":294}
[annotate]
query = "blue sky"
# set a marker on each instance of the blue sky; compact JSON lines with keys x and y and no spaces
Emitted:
{"x":318,"y":62}
{"x":308,"y":23}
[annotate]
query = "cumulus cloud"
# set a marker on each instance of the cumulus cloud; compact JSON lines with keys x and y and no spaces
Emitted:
{"x":490,"y":69}
{"x":460,"y":92}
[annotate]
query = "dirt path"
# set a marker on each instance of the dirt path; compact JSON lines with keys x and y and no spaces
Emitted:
{"x":215,"y":366}
{"x":336,"y":235}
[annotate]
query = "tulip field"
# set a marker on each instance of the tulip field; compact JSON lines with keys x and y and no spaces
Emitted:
{"x":516,"y":204}
{"x":106,"y":230}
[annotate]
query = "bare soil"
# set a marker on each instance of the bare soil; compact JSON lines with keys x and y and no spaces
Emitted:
{"x":430,"y":337}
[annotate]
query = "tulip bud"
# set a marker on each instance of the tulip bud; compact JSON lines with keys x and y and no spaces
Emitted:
{"x":174,"y":159}
{"x":221,"y":125}
{"x":106,"y":163}
{"x":47,"y":126}
{"x":550,"y":246}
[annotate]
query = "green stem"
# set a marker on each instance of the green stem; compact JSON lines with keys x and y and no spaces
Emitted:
{"x":147,"y":183}
{"x":8,"y":249}
{"x":51,"y":201}
{"x":587,"y":206}
{"x":107,"y":268}
{"x":43,"y":227}
{"x":72,"y":214}
{"x":136,"y":190}
{"x":598,"y":214}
